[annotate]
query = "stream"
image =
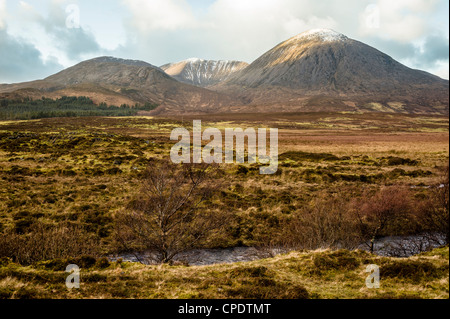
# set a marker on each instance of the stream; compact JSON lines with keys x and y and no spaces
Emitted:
{"x":202,"y":257}
{"x":406,"y":246}
{"x":399,"y":246}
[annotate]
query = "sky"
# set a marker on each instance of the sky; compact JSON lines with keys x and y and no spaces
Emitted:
{"x":41,"y":37}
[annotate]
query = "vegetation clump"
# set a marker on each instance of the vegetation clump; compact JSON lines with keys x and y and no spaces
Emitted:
{"x":412,"y":270}
{"x":339,"y":260}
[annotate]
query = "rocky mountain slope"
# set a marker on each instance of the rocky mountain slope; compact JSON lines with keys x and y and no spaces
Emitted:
{"x":203,"y":73}
{"x":325,"y":70}
{"x":318,"y":70}
{"x":119,"y":81}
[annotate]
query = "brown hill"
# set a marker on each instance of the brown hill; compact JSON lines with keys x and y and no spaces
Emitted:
{"x":324,"y":70}
{"x":318,"y":70}
{"x":117,"y":81}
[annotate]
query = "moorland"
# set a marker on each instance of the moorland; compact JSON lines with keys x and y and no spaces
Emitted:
{"x":64,"y":181}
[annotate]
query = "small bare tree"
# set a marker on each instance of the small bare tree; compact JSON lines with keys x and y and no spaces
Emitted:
{"x":167,"y":216}
{"x":376,"y":213}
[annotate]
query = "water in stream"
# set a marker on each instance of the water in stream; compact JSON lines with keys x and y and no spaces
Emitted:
{"x":389,"y":246}
{"x":201,"y":257}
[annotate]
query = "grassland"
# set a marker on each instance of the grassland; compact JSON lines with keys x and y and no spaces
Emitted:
{"x":81,"y":171}
{"x":297,"y":275}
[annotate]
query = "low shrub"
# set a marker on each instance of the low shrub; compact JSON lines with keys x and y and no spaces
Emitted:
{"x":339,"y":260}
{"x":413,"y":270}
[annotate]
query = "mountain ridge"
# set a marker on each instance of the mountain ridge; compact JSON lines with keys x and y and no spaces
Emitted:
{"x":203,"y":73}
{"x":119,"y":81}
{"x":317,"y":70}
{"x":325,"y":63}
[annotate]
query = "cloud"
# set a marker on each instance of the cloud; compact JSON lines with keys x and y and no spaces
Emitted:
{"x":227,"y":29}
{"x":245,"y":29}
{"x":75,"y":42}
{"x":160,"y":15}
{"x":435,"y":49}
{"x":441,"y":70}
{"x":62,"y":25}
{"x":21,"y":61}
{"x":2,"y":14}
{"x":162,"y":31}
{"x":167,"y":31}
{"x":433,"y":56}
{"x":400,"y":20}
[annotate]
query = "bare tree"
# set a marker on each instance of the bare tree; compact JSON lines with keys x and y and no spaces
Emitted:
{"x":377,"y":213}
{"x":167,"y":216}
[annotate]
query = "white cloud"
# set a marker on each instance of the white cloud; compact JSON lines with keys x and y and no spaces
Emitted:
{"x":162,"y":31}
{"x":245,"y":29}
{"x":58,"y":33}
{"x":228,"y":29}
{"x":157,"y":15}
{"x":400,"y":20}
{"x":167,"y":31}
{"x":292,"y":25}
{"x":441,"y":70}
{"x":2,"y":14}
{"x":20,"y":59}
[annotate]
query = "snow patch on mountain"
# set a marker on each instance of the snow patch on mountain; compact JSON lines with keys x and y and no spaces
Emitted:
{"x":325,"y":35}
{"x":203,"y":72}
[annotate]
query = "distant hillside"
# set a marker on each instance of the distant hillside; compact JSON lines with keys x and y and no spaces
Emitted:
{"x":118,"y":81}
{"x":203,"y":73}
{"x":324,"y":70}
{"x":315,"y":71}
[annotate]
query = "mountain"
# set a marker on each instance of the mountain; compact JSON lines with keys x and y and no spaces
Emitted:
{"x":118,"y":81}
{"x":325,"y":70}
{"x":203,"y":73}
{"x":318,"y":70}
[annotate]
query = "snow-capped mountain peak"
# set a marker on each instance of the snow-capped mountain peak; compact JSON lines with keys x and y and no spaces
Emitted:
{"x":194,"y":60}
{"x":203,"y":72}
{"x":325,"y":35}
